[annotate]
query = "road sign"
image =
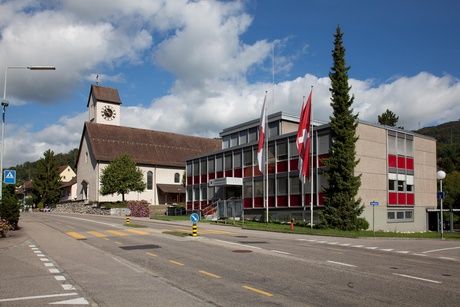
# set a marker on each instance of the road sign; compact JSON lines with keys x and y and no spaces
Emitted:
{"x":374,"y":203}
{"x":441,"y":195}
{"x":194,"y":218}
{"x":9,"y":176}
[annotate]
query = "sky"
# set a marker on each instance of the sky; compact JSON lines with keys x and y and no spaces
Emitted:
{"x":197,"y":67}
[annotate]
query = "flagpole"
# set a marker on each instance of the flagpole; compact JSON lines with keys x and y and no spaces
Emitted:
{"x":268,"y":132}
{"x":311,"y":164}
{"x":317,"y":174}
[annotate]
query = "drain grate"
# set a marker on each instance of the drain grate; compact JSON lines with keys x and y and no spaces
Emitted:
{"x":134,"y":247}
{"x":242,"y":251}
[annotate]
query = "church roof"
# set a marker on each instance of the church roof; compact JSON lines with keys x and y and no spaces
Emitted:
{"x":104,"y":94}
{"x":147,"y":147}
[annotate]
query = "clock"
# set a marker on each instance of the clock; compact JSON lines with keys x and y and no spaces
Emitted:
{"x":108,"y":113}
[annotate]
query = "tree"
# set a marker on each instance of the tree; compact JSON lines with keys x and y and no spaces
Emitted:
{"x":47,"y":182}
{"x":388,"y":118}
{"x":452,"y":189}
{"x":122,"y":176}
{"x":342,"y":209}
{"x":9,"y":208}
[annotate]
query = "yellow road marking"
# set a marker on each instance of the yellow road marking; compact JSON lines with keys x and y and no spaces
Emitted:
{"x":106,"y":239}
{"x":176,"y":262}
{"x":138,"y":232}
{"x":118,"y":242}
{"x":117,"y":233}
{"x":152,"y":254}
{"x":258,"y":291}
{"x":75,"y":235}
{"x":209,"y":274}
{"x":97,"y":234}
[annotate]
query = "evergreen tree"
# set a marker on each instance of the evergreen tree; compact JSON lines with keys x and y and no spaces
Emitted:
{"x":341,"y":207}
{"x":388,"y":118}
{"x":9,"y":208}
{"x":122,"y":176}
{"x":46,"y":182}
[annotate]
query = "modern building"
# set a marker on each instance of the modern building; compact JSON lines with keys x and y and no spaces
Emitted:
{"x":397,"y":168}
{"x":159,"y":155}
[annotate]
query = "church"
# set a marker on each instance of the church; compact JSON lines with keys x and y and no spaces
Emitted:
{"x":161,"y":156}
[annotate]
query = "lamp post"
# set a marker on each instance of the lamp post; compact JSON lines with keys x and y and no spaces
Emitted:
{"x":441,"y":175}
{"x":4,"y":105}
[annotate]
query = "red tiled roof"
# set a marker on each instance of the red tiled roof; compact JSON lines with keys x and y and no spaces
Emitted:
{"x":147,"y":147}
{"x":70,"y":183}
{"x":105,"y":94}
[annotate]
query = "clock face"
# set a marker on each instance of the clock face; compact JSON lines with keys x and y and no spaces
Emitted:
{"x":108,"y":113}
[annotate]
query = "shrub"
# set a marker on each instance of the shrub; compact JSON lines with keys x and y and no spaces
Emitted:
{"x":4,"y":227}
{"x":9,"y":210}
{"x":362,"y":223}
{"x":139,"y":208}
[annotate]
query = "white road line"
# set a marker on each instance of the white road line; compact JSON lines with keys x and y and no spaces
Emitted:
{"x":312,"y":240}
{"x":77,"y":218}
{"x":345,"y":244}
{"x":31,"y":245}
{"x":54,"y":271}
{"x":341,"y":263}
{"x":371,"y":247}
{"x":447,"y":258}
{"x":357,"y":246}
{"x":423,"y":255}
{"x":418,"y":278}
{"x":44,"y":259}
{"x":37,"y":252}
{"x":441,"y":249}
{"x":402,"y":252}
{"x":40,"y":255}
{"x":34,"y":248}
{"x":68,"y":287}
{"x":75,"y":301}
{"x":59,"y":277}
{"x":386,"y":249}
{"x":301,"y":239}
{"x":332,"y":243}
{"x":35,"y":297}
{"x":48,"y":264}
{"x":239,"y":244}
{"x":280,"y":252}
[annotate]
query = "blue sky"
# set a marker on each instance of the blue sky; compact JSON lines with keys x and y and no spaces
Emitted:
{"x":198,"y":67}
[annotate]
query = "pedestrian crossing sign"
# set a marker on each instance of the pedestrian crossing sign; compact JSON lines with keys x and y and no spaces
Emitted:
{"x":9,"y":176}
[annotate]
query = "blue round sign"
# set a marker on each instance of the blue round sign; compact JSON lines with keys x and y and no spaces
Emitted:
{"x":194,"y":218}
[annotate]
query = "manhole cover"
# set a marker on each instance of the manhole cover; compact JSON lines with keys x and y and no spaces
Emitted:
{"x":242,"y":251}
{"x":134,"y":247}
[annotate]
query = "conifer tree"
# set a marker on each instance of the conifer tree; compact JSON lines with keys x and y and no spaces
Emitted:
{"x":47,"y":182}
{"x":342,"y":209}
{"x":388,"y":118}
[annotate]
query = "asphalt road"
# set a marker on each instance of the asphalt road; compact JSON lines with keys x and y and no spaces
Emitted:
{"x":100,"y":262}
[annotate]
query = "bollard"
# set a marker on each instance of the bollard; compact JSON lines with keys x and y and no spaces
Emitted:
{"x":194,"y":230}
{"x":128,"y":220}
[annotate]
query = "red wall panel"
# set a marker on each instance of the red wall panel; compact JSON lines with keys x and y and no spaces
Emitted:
{"x":204,"y":178}
{"x":256,"y":171}
{"x":282,"y":166}
{"x":196,"y":179}
{"x":391,"y":161}
{"x":392,"y":198}
{"x":282,"y":201}
{"x":410,"y":198}
{"x":211,"y":176}
{"x":247,"y":203}
{"x":237,"y":172}
{"x":295,"y":200}
{"x":294,"y":164}
{"x":401,"y":198}
{"x":401,"y":162}
{"x":189,"y":180}
{"x":410,"y":163}
{"x":258,"y":202}
{"x":189,"y":206}
{"x":271,"y":201}
{"x":228,"y":173}
{"x":219,"y":174}
{"x":247,"y":171}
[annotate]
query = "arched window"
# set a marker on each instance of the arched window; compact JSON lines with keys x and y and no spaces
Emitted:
{"x":149,"y":180}
{"x":176,"y":177}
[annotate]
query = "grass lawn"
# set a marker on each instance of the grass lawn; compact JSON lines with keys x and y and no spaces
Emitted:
{"x":171,"y":218}
{"x":276,"y":227}
{"x":177,"y":233}
{"x":134,"y":225}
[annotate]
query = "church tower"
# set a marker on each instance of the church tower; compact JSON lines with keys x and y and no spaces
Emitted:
{"x":104,"y":105}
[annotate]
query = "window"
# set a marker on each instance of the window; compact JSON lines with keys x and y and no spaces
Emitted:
{"x":237,"y":159}
{"x":176,"y":178}
{"x":271,"y":153}
{"x":271,"y":186}
{"x":203,"y":167}
{"x":243,"y":137}
{"x":225,"y":142}
{"x":211,"y":165}
{"x":210,"y":193}
{"x":196,"y":193}
{"x":281,"y":151}
{"x":392,"y":144}
{"x":273,"y":129}
{"x":228,"y":161}
{"x":247,"y":155}
{"x":252,"y":134}
{"x":247,"y":188}
{"x":391,"y":185}
{"x":400,"y":186}
{"x":254,"y":156}
{"x":219,"y":164}
{"x":281,"y":183}
{"x":409,"y":147}
{"x":196,"y":168}
{"x":295,"y":185}
{"x":293,"y":148}
{"x":409,"y":188}
{"x":189,"y":194}
{"x":397,"y":216}
{"x":149,"y":180}
{"x":234,"y":140}
{"x":258,"y":187}
{"x":204,"y":193}
{"x":401,"y":144}
{"x":189,"y":169}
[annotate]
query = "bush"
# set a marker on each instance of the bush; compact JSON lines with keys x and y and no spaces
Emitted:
{"x":362,"y":224}
{"x":110,"y":205}
{"x":9,"y":209}
{"x":139,"y":208}
{"x":4,"y":227}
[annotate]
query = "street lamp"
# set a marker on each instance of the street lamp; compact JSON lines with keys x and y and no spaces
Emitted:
{"x":4,"y":105}
{"x":441,"y":175}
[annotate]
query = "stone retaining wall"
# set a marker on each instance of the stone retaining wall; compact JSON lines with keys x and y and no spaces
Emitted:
{"x":79,"y":207}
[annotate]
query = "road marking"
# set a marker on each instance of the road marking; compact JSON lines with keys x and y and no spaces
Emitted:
{"x":40,"y":255}
{"x":138,"y":232}
{"x":68,"y":287}
{"x":280,"y":252}
{"x":44,"y":259}
{"x":441,"y":249}
{"x":209,"y":274}
{"x":151,"y":254}
{"x":75,"y":301}
{"x":48,"y":264}
{"x":357,"y":246}
{"x":332,"y":243}
{"x":117,"y":233}
{"x":24,"y":298}
{"x":77,"y":218}
{"x":386,"y":249}
{"x":75,"y":235}
{"x":345,"y":244}
{"x":302,"y":239}
{"x":447,"y":258}
{"x":33,"y":246}
{"x":312,"y":240}
{"x":106,"y":239}
{"x":371,"y":247}
{"x":418,"y":278}
{"x":258,"y":291}
{"x":234,"y":243}
{"x":54,"y":271}
{"x":322,"y":242}
{"x":37,"y":252}
{"x":423,"y":255}
{"x":402,"y":252}
{"x":128,"y":264}
{"x":118,"y":242}
{"x":59,"y":277}
{"x":341,"y":263}
{"x":97,"y":234}
{"x":176,"y":262}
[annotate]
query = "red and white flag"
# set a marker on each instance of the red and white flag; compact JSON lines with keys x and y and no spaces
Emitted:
{"x":303,"y":140}
{"x":260,"y":149}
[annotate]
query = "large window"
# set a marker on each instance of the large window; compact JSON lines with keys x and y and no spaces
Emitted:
{"x":273,"y":129}
{"x":204,"y":193}
{"x":228,"y":161}
{"x":203,"y":167}
{"x":252,"y":134}
{"x":226,"y":142}
{"x":281,"y":185}
{"x":396,"y":216}
{"x":189,"y":169}
{"x":258,"y":187}
{"x":219,"y":163}
{"x":294,"y":183}
{"x":293,"y":148}
{"x":281,"y":151}
{"x":189,"y":194}
{"x":149,"y":180}
{"x":271,"y":186}
{"x":247,"y":188}
{"x":243,"y":137}
{"x":247,"y":155}
{"x":196,"y":168}
{"x":234,"y":140}
{"x":211,"y":165}
{"x":237,"y":159}
{"x":271,"y":152}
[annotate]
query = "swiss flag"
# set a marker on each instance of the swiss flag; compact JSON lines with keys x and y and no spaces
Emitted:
{"x":260,"y":149}
{"x":303,"y":140}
